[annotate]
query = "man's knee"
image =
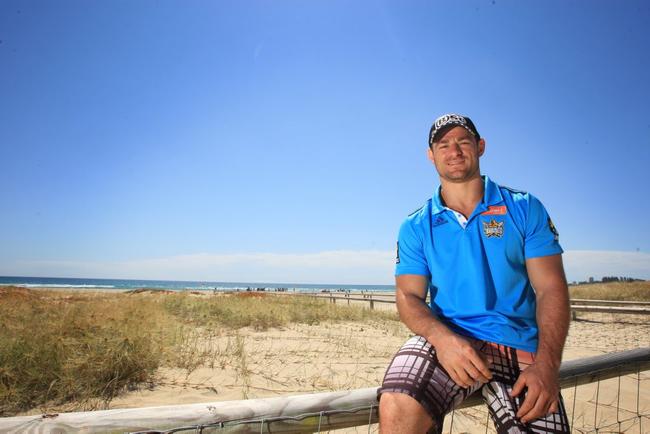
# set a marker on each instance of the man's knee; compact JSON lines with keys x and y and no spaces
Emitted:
{"x":400,"y":413}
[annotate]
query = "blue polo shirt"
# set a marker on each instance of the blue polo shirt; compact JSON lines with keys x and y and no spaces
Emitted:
{"x":479,"y":286}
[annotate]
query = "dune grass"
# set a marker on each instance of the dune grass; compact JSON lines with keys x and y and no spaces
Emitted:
{"x":261,"y":311}
{"x":629,"y":291}
{"x":57,"y":348}
{"x":85,"y":348}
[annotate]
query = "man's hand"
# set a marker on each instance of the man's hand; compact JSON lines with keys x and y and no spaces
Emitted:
{"x":541,"y":399}
{"x":464,"y":364}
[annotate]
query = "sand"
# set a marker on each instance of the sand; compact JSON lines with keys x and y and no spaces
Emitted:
{"x":335,"y":356}
{"x":326,"y":357}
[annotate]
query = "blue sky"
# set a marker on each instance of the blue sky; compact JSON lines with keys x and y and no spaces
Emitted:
{"x":285,"y":140}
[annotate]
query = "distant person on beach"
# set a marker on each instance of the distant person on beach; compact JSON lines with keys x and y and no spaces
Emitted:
{"x":499,"y":308}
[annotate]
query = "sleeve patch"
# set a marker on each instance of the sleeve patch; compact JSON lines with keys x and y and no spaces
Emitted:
{"x":551,"y":226}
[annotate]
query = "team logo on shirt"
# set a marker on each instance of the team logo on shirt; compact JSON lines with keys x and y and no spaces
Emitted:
{"x":493,"y":229}
{"x":551,"y":226}
{"x":397,"y":258}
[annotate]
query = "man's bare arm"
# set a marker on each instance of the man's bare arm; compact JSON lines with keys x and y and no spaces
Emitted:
{"x":464,"y":364}
{"x":547,"y":277}
{"x":411,"y":293}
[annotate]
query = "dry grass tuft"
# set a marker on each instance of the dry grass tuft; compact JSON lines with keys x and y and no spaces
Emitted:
{"x":629,"y":291}
{"x":56,"y":348}
{"x":249,"y":294}
{"x":9,"y":294}
{"x":261,"y":311}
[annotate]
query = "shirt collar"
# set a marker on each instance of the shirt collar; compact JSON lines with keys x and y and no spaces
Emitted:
{"x":436,"y":204}
{"x":491,"y":192}
{"x":491,"y":196}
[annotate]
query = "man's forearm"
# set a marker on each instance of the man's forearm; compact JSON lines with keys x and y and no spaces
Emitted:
{"x":547,"y":277}
{"x":464,"y":364}
{"x":553,"y":319}
{"x":417,"y":316}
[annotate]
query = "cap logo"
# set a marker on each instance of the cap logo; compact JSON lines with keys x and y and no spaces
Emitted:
{"x":447,"y":119}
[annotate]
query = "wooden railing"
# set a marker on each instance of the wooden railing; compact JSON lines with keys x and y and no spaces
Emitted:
{"x":577,"y":305}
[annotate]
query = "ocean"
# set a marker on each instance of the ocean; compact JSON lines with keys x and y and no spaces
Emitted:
{"x":179,"y":285}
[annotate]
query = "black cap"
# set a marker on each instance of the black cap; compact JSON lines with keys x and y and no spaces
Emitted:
{"x":451,"y":119}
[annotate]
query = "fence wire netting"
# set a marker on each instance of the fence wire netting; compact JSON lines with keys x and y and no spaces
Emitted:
{"x":615,"y":405}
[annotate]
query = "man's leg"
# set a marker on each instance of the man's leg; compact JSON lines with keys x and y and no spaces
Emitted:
{"x":399,"y":413}
{"x":417,"y":392}
{"x":506,"y":365}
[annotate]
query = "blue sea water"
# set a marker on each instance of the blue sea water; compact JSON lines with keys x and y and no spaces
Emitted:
{"x":178,"y":285}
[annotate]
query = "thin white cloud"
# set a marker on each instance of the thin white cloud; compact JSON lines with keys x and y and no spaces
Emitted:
{"x":334,"y":267}
{"x":344,"y":266}
{"x":582,"y":264}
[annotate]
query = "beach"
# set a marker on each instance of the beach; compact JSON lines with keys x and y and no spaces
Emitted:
{"x":302,"y":359}
{"x":222,"y":364}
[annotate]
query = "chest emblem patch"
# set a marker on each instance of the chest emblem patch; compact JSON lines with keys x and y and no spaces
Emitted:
{"x":493,"y":229}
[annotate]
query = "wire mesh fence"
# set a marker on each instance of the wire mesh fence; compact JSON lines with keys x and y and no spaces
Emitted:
{"x":603,"y":394}
{"x":613,"y":405}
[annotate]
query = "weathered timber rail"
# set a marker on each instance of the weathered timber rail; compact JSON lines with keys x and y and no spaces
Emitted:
{"x":611,"y":309}
{"x":609,"y":302}
{"x":288,"y":414}
{"x":611,"y":306}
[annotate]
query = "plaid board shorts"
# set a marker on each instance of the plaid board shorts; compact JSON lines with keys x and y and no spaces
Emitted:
{"x":415,"y":371}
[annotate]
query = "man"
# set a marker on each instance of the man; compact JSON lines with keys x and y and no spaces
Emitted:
{"x":499,"y":309}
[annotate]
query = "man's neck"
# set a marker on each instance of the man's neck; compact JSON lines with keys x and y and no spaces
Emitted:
{"x":462,"y":196}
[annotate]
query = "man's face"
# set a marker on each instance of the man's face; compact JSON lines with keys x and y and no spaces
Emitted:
{"x":456,"y":155}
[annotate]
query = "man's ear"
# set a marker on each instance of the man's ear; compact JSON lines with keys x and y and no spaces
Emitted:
{"x":481,"y":147}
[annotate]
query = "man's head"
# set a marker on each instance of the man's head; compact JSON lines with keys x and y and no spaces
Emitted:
{"x":455,"y":148}
{"x":445,"y":122}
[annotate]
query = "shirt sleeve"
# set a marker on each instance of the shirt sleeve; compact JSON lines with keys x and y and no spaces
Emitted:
{"x":542,"y":239}
{"x":410,"y":252}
